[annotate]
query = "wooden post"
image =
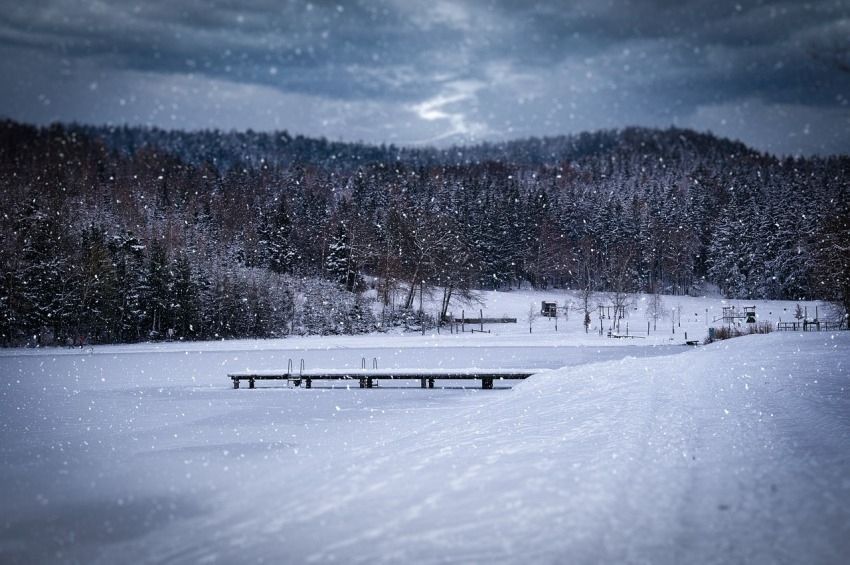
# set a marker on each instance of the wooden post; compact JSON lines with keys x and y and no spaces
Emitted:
{"x":369,"y":383}
{"x":486,"y":383}
{"x":430,"y":383}
{"x":481,"y":319}
{"x":235,"y":383}
{"x":362,"y":382}
{"x":308,"y":383}
{"x":422,"y":382}
{"x":462,"y":321}
{"x":250,"y":383}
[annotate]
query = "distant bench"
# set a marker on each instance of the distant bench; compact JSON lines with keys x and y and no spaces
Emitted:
{"x":624,"y":336}
{"x":367,"y":378}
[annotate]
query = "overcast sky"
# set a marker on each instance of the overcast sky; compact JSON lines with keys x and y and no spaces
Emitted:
{"x":435,"y":71}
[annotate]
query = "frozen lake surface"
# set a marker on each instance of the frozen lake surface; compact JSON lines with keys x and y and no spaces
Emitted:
{"x":734,"y":452}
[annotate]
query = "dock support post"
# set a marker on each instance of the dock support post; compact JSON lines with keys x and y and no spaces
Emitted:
{"x":487,"y":383}
{"x":250,"y":383}
{"x":422,"y":383}
{"x":362,"y":382}
{"x":308,"y":383}
{"x":369,"y":383}
{"x":235,"y":383}
{"x":430,"y":383}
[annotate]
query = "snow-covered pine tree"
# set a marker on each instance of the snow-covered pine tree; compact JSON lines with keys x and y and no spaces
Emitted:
{"x":40,"y":288}
{"x":727,"y":253}
{"x":184,"y":303}
{"x":96,"y":298}
{"x":131,"y":286}
{"x":158,"y":288}
{"x":275,"y":248}
{"x":338,"y":261}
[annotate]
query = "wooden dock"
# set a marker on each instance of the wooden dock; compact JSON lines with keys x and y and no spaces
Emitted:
{"x":366,"y":377}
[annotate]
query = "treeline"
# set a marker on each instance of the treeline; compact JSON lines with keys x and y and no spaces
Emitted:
{"x":226,"y":150}
{"x":132,"y":234}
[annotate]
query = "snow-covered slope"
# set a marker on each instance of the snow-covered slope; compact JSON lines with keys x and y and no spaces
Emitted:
{"x":736,"y":452}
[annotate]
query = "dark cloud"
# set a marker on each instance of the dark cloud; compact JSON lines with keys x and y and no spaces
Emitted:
{"x":438,"y":71}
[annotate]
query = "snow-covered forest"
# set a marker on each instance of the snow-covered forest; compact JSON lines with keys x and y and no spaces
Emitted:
{"x":130,"y":234}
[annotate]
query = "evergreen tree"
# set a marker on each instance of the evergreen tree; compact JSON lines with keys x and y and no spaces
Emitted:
{"x":40,"y":291}
{"x":130,"y":281}
{"x":158,"y":286}
{"x":184,"y":300}
{"x":96,"y":297}
{"x":276,"y":249}
{"x":338,"y":263}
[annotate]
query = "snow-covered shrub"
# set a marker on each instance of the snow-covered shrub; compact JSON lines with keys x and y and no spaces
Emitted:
{"x":325,"y":309}
{"x":834,"y":312}
{"x":726,"y":332}
{"x":409,"y":318}
{"x":248,"y":303}
{"x":760,"y":328}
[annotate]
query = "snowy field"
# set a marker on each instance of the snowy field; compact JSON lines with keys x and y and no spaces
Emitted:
{"x":645,"y":451}
{"x":676,"y":315}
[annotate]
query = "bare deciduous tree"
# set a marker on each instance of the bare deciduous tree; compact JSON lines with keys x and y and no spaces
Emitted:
{"x":655,"y":309}
{"x":532,"y":314}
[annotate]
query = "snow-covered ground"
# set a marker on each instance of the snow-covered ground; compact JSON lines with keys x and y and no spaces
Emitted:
{"x":733,"y":452}
{"x":676,"y":315}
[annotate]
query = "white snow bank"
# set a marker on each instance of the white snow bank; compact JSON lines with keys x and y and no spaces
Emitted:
{"x":735,"y":453}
